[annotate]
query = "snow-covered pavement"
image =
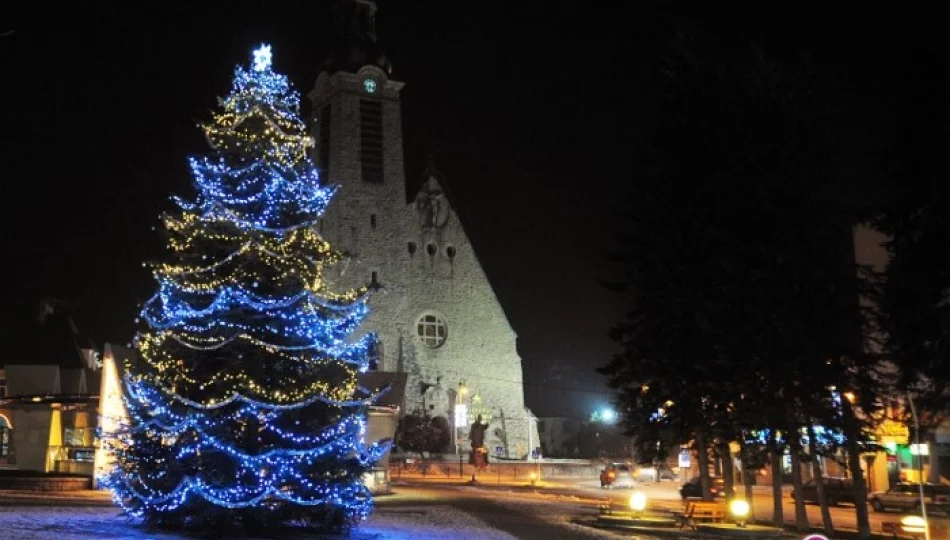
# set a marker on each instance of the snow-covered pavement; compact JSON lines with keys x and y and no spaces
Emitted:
{"x":47,"y":523}
{"x":415,"y":513}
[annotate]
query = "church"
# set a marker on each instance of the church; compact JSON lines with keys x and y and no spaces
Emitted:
{"x":440,"y":326}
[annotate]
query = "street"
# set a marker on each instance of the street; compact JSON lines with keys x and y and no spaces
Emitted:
{"x":519,"y":515}
{"x":585,"y":492}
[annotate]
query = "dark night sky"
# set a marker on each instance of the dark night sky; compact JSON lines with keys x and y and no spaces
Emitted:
{"x":528,"y":107}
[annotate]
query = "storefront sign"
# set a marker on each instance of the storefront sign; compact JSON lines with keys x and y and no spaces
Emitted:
{"x":893,"y":432}
{"x":919,"y":450}
{"x":684,"y":460}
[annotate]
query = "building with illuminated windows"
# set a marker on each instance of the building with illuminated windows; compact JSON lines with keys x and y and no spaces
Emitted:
{"x":899,"y":459}
{"x":49,"y":398}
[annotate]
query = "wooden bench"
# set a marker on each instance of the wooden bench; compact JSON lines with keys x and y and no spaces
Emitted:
{"x":700,"y":511}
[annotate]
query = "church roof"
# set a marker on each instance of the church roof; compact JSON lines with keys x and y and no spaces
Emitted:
{"x":375,"y":381}
{"x":50,"y":338}
{"x":354,"y":41}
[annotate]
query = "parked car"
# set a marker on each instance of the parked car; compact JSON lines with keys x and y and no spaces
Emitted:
{"x":648,"y":474}
{"x":692,"y":489}
{"x":617,"y":475}
{"x":837,"y":490}
{"x":906,"y":497}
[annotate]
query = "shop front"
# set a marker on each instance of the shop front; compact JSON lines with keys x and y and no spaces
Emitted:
{"x":54,"y":433}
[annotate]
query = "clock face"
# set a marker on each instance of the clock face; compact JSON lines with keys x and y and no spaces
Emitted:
{"x":369,"y":85}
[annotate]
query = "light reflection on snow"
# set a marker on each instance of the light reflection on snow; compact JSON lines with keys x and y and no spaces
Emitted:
{"x":87,"y":523}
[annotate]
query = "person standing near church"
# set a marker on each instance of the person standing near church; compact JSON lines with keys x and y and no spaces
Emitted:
{"x":477,"y":437}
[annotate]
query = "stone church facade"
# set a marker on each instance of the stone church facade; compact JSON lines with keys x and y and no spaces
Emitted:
{"x":435,"y":313}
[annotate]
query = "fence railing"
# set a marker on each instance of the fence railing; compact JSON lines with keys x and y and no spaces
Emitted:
{"x":447,"y":468}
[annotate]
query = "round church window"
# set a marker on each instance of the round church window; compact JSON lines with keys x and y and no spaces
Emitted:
{"x":432,"y":330}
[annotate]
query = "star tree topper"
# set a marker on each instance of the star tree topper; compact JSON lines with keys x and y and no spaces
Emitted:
{"x":262,"y":58}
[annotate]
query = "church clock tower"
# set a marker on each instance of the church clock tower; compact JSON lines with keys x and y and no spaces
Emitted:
{"x":440,"y":327}
{"x":357,"y":127}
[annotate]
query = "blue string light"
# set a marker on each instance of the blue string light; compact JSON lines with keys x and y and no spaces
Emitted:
{"x":244,"y":394}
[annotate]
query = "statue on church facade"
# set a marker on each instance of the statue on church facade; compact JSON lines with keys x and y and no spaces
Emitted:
{"x":432,"y":205}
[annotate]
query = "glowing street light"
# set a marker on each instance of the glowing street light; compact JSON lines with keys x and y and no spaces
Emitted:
{"x":740,"y":511}
{"x":638,"y":502}
{"x":608,"y":416}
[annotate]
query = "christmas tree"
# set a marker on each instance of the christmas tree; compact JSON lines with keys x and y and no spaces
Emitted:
{"x":243,"y":404}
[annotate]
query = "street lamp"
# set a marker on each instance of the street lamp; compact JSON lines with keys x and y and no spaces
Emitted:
{"x":461,"y":415}
{"x":740,"y":511}
{"x":921,"y":524}
{"x":608,"y":415}
{"x":638,"y":502}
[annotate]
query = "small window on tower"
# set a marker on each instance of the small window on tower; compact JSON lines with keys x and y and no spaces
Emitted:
{"x":450,"y":251}
{"x":371,"y":140}
{"x":372,"y":221}
{"x":412,"y":248}
{"x":431,"y":249}
{"x":374,"y":280}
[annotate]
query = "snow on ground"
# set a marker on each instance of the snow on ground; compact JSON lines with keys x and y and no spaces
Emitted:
{"x":440,"y":522}
{"x":558,"y":510}
{"x":85,"y":523}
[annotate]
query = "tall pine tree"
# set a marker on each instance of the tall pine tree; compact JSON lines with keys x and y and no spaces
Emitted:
{"x":243,"y":405}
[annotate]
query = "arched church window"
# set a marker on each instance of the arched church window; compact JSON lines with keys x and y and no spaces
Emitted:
{"x":432,"y":330}
{"x":412,"y":248}
{"x":450,"y":251}
{"x":431,"y":249}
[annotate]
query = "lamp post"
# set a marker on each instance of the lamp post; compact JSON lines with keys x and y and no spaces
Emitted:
{"x":920,"y":469}
{"x":461,"y":415}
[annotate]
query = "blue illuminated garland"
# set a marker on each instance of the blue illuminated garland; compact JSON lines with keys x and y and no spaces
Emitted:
{"x":257,"y":193}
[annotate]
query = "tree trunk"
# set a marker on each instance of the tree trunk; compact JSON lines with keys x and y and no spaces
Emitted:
{"x":728,"y":475}
{"x":778,"y":514}
{"x":748,"y":474}
{"x":801,"y":517}
{"x":852,"y":433}
{"x":818,"y":476}
{"x":934,"y":476}
{"x":747,"y":478}
{"x":702,"y":457}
